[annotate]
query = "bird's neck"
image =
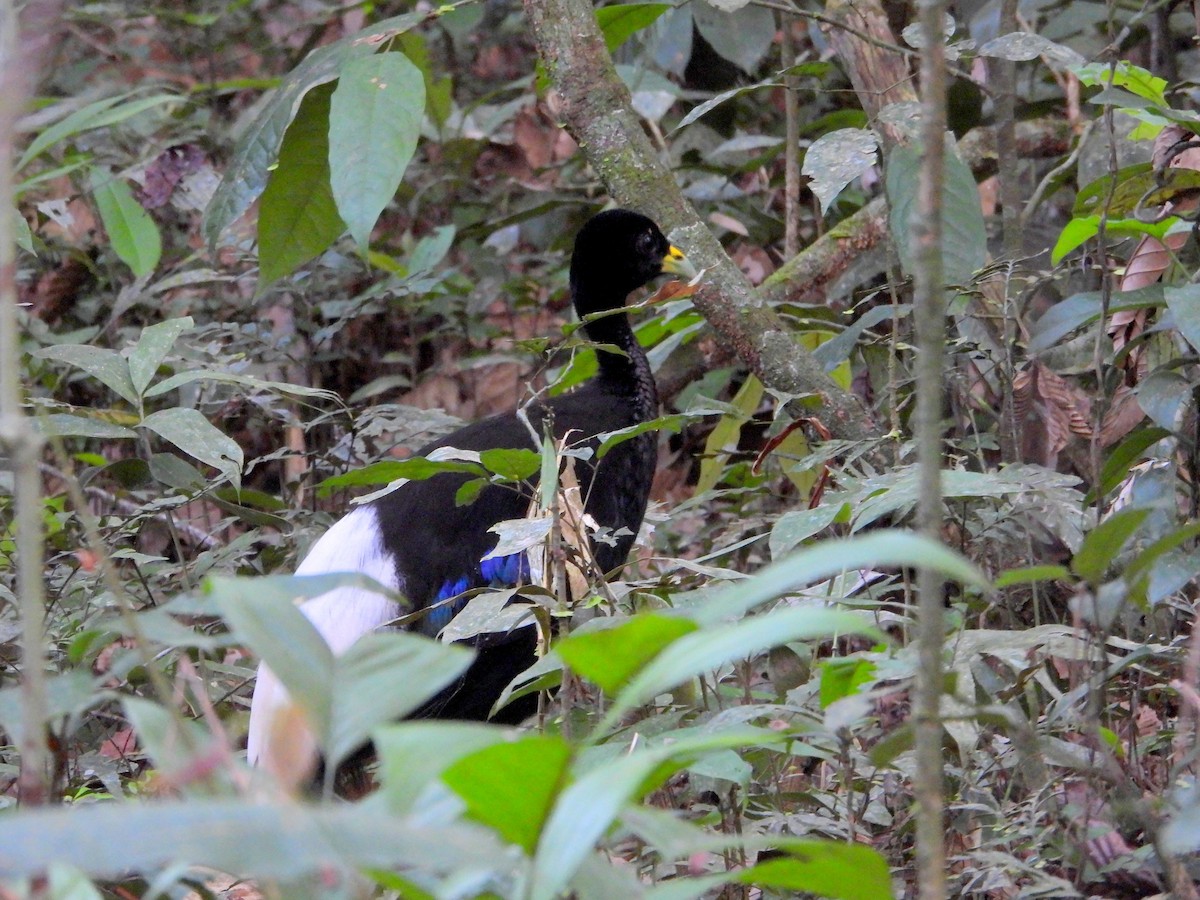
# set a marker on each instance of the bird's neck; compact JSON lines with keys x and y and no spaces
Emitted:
{"x":626,"y":372}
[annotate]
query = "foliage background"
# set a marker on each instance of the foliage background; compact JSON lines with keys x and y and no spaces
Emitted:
{"x":201,"y":365}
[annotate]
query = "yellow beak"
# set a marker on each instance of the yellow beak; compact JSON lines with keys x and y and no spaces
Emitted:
{"x":675,"y":263}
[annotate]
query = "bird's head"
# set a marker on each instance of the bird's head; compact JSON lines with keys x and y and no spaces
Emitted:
{"x":616,"y":252}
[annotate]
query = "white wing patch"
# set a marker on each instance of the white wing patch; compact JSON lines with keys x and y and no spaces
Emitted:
{"x":342,"y":616}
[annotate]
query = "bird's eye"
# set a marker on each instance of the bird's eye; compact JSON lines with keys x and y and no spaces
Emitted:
{"x":645,"y":242}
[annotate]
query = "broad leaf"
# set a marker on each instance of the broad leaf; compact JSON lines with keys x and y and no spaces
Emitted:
{"x":133,"y":234}
{"x":298,"y":217}
{"x":374,"y":122}
{"x":152,"y":348}
{"x":108,"y":366}
{"x":188,"y":430}
{"x":511,"y":786}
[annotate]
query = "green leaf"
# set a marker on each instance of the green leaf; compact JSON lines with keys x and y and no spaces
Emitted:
{"x":100,"y":114}
{"x":418,"y":468}
{"x":1184,"y":303}
{"x":152,"y":348}
{"x":412,"y":755}
{"x":1104,"y":542}
{"x":133,"y":234}
{"x":188,"y":430}
{"x":843,"y":677}
{"x":251,"y":837}
{"x":701,"y":651}
{"x":384,"y":677}
{"x":262,"y":612}
{"x":280,"y":387}
{"x":258,"y":147}
{"x":587,"y":808}
{"x":1124,"y":75}
{"x":610,"y":657}
{"x":1030,"y":574}
{"x":108,"y":366}
{"x":827,"y":558}
{"x":68,"y":425}
{"x":511,"y":786}
{"x":23,"y":236}
{"x":964,"y":237}
{"x":1122,"y":457}
{"x":1081,"y":229}
{"x":743,"y":36}
{"x":1080,"y":309}
{"x":298,"y":218}
{"x":622,"y":21}
{"x":511,"y":464}
{"x":725,"y":433}
{"x":374,"y":123}
{"x":826,"y":869}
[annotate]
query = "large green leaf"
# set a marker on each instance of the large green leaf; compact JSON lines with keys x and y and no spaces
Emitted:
{"x":298,"y":217}
{"x":133,"y":234}
{"x":374,"y":123}
{"x":511,"y":786}
{"x":188,"y":430}
{"x":258,"y":147}
{"x":742,"y":36}
{"x":152,"y":348}
{"x":106,"y":365}
{"x":964,"y":235}
{"x":413,"y":754}
{"x":612,"y":656}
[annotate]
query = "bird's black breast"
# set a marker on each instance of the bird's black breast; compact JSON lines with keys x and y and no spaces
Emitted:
{"x":436,"y":542}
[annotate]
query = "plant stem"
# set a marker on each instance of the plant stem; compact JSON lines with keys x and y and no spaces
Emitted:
{"x":929,"y":312}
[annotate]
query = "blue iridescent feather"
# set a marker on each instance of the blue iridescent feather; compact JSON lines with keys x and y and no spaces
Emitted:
{"x":498,"y":572}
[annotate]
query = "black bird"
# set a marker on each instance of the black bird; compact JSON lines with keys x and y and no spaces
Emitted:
{"x":418,"y":542}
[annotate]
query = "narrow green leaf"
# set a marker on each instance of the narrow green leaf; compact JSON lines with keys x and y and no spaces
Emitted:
{"x":418,"y":468}
{"x":152,"y":348}
{"x":188,"y":430}
{"x":285,"y":840}
{"x":511,"y":786}
{"x":68,"y":425}
{"x":133,"y":234}
{"x":106,"y":365}
{"x":701,"y":651}
{"x":23,"y":237}
{"x":280,"y":387}
{"x":298,"y":217}
{"x":609,"y":658}
{"x":1030,"y":574}
{"x":1080,"y":309}
{"x":826,"y":869}
{"x":374,"y":123}
{"x":725,"y":433}
{"x":822,"y":560}
{"x":100,"y":114}
{"x":1104,"y":542}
